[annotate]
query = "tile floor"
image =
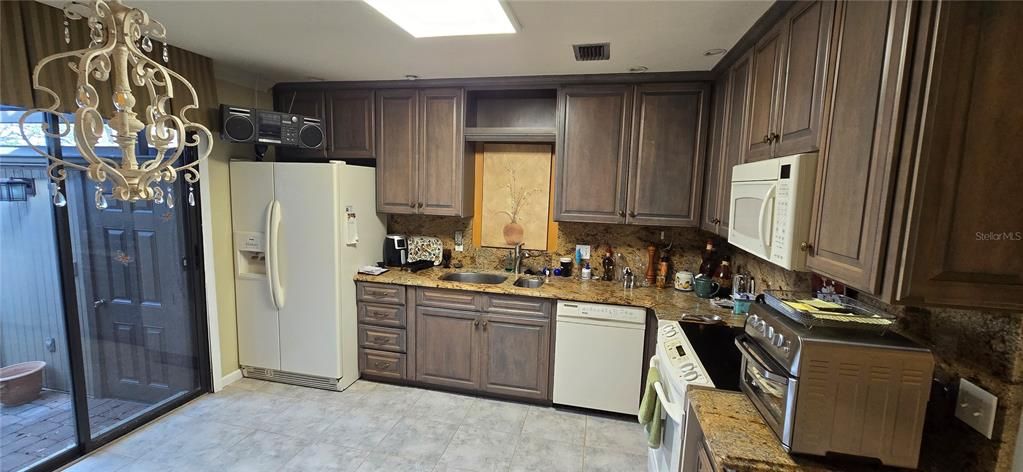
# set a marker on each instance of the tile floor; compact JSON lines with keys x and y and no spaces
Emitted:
{"x":255,"y":426}
{"x":45,"y":426}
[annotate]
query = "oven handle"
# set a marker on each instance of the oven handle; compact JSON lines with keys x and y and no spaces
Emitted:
{"x":674,"y":410}
{"x":761,"y":364}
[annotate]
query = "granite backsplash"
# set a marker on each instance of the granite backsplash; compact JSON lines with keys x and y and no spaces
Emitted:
{"x":983,"y":347}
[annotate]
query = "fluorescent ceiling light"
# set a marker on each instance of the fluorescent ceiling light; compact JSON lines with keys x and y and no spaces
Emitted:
{"x":431,"y":18}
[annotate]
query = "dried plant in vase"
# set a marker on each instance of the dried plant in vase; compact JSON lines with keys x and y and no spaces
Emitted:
{"x":513,"y":232}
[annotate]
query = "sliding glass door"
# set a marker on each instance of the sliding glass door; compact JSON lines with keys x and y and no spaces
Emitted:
{"x":124,"y":284}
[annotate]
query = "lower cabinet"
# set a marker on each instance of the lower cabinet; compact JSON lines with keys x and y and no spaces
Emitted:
{"x":448,"y":347}
{"x":503,"y":354}
{"x":515,"y":356}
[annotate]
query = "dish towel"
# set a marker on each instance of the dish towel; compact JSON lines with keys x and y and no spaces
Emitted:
{"x":650,"y":409}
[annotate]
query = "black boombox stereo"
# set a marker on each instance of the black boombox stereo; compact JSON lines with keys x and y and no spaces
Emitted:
{"x":248,"y":125}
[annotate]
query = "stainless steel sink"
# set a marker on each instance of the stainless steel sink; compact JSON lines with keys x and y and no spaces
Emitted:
{"x":474,"y":278}
{"x":529,"y":282}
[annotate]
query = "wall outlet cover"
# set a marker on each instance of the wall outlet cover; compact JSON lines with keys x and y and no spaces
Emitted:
{"x":459,"y":243}
{"x":976,"y":407}
{"x":583,"y":250}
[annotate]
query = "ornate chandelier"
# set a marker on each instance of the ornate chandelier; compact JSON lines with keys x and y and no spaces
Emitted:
{"x":117,"y":33}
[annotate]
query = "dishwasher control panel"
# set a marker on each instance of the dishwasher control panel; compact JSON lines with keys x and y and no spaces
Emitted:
{"x":593,"y":311}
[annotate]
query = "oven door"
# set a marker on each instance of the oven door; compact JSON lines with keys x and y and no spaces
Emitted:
{"x":751,"y":216}
{"x":668,"y":457}
{"x":769,"y":387}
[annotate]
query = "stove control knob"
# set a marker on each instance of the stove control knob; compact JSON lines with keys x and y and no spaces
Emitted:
{"x":769,"y":332}
{"x":753,"y":320}
{"x":691,"y":376}
{"x":687,"y":366}
{"x":778,"y":340}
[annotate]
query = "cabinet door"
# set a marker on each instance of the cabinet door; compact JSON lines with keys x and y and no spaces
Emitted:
{"x":966,"y":219}
{"x":351,"y":133}
{"x":669,"y":141}
{"x":709,"y":215}
{"x":855,"y":166}
{"x":441,"y":167}
{"x":516,"y":356}
{"x":591,"y":172}
{"x":736,"y":116}
{"x":447,"y":347}
{"x":305,"y":102}
{"x":807,"y":32}
{"x":397,"y":142}
{"x":767,"y":57}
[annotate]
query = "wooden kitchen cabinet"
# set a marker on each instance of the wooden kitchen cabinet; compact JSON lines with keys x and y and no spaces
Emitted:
{"x":448,"y":347}
{"x":420,"y":158}
{"x":397,"y":143}
{"x":669,"y":141}
{"x":958,"y":215}
{"x":856,"y":162}
{"x":788,"y":71}
{"x":516,"y":356}
{"x":349,"y":125}
{"x":733,"y":90}
{"x":621,"y":147}
{"x":592,"y":153}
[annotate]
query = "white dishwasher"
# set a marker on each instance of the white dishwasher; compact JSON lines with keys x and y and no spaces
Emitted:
{"x":598,"y":356}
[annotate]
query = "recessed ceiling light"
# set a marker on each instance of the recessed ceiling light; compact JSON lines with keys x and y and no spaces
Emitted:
{"x":411,"y":77}
{"x":638,"y":69}
{"x":714,"y":52}
{"x":423,"y":19}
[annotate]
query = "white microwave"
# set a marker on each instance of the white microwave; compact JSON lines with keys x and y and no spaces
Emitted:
{"x":770,"y":208}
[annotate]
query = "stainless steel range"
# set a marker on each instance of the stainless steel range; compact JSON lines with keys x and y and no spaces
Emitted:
{"x":824,"y":389}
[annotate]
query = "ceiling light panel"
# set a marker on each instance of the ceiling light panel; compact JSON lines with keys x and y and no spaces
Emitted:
{"x":433,"y":18}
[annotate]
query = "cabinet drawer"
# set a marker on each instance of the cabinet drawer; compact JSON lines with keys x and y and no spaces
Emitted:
{"x":382,"y":363}
{"x":512,"y":305}
{"x":386,"y":339}
{"x":382,"y":315}
{"x":442,"y":298}
{"x":383,"y":293}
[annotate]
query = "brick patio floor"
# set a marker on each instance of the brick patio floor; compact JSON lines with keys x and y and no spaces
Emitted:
{"x":45,"y":426}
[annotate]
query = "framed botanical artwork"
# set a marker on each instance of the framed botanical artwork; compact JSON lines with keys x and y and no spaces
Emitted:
{"x":516,"y":193}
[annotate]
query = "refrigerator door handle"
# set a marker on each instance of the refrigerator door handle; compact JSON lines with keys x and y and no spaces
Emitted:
{"x":275,"y":274}
{"x":268,"y":235}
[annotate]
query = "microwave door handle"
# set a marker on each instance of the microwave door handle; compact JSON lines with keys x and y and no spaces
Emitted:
{"x":761,"y":365}
{"x":768,"y":197}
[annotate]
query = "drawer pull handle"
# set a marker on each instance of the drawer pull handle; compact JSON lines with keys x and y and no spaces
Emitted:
{"x":377,"y":292}
{"x":381,"y":340}
{"x":378,"y":315}
{"x":382,"y":365}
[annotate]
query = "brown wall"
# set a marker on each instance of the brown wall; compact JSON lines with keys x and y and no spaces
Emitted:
{"x":984,"y":347}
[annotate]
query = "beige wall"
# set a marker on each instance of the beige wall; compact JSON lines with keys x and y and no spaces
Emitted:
{"x":220,"y":207}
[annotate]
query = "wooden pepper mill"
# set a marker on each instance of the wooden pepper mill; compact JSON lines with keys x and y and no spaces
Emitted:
{"x":651,"y":264}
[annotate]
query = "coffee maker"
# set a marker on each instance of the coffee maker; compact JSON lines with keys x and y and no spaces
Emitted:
{"x":395,"y":250}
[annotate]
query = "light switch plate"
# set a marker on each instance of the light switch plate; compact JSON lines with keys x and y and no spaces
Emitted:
{"x":976,"y":407}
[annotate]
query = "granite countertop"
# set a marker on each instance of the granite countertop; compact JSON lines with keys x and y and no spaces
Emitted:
{"x":667,"y":303}
{"x":740,"y":440}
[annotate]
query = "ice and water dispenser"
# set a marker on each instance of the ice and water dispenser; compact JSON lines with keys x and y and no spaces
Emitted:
{"x":251,"y":254}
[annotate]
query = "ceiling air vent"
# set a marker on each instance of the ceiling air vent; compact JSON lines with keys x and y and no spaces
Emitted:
{"x":592,"y":52}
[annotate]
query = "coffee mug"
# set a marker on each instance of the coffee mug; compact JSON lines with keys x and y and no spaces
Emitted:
{"x":706,"y":287}
{"x":684,"y":281}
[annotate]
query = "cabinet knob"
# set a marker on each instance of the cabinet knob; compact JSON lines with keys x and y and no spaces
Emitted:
{"x":621,"y":213}
{"x":767,"y":139}
{"x":716,"y":221}
{"x":774,"y":137}
{"x":420,"y":204}
{"x":412,"y":205}
{"x":806,"y":247}
{"x":484,"y":324}
{"x":476,"y":322}
{"x":632,"y":214}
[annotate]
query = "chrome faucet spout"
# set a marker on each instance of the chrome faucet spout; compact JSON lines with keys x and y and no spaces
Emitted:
{"x":518,"y":258}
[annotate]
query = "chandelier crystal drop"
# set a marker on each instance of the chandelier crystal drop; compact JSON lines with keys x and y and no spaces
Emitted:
{"x":113,"y":56}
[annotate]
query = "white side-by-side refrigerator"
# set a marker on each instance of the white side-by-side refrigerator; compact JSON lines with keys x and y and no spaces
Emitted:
{"x":301,"y":230}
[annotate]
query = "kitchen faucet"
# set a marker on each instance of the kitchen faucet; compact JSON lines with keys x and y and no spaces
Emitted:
{"x":518,"y":257}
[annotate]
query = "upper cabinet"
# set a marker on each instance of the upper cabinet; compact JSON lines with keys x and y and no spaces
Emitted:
{"x":857,"y":157}
{"x":420,"y":153}
{"x":961,"y":241}
{"x":592,"y":153}
{"x":347,"y":120}
{"x":622,"y":147}
{"x":669,"y":140}
{"x":788,"y":69}
{"x":731,"y":109}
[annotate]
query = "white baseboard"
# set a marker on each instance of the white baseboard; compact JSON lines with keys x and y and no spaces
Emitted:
{"x":227,"y":380}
